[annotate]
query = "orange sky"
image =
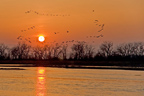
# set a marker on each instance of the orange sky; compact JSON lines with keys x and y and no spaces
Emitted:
{"x":123,"y":19}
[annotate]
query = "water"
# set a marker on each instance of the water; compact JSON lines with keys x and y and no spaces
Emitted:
{"x":40,"y":81}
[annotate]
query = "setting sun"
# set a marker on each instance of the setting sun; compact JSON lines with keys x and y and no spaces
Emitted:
{"x":41,"y":38}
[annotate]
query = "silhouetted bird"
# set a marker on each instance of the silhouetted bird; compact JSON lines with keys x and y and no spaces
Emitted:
{"x":19,"y":37}
{"x":98,"y":36}
{"x":29,"y":41}
{"x":101,"y":35}
{"x":102,"y":26}
{"x":96,"y":20}
{"x":27,"y":12}
{"x":100,"y":30}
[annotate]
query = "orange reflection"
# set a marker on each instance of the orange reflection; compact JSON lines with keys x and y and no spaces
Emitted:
{"x":41,"y":70}
{"x":40,"y":82}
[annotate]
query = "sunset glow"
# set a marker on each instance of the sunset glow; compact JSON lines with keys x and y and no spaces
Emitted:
{"x":41,"y":38}
{"x":71,"y":20}
{"x":71,"y":47}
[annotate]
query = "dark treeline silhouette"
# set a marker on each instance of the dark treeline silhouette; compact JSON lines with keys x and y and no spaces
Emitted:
{"x":80,"y":51}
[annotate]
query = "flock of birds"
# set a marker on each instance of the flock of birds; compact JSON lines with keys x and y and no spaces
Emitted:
{"x":38,"y":13}
{"x":59,"y":32}
{"x":30,"y":28}
{"x":27,"y":39}
{"x":66,"y":42}
{"x":23,"y":38}
{"x":95,"y":36}
{"x":100,"y":30}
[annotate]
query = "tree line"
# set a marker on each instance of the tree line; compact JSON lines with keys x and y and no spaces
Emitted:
{"x":79,"y":51}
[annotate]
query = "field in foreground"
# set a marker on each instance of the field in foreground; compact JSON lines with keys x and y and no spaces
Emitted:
{"x":48,"y":81}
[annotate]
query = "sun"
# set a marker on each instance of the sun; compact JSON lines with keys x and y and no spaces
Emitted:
{"x":41,"y":38}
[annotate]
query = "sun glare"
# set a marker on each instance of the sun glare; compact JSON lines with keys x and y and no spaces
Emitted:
{"x":41,"y":38}
{"x":41,"y":71}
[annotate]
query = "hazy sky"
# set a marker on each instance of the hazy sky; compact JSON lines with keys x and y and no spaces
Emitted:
{"x":123,"y":19}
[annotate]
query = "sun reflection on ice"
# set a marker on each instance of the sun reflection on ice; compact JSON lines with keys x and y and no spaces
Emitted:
{"x":40,"y":82}
{"x":41,"y":70}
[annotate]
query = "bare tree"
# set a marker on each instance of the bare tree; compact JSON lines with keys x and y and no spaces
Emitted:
{"x":130,"y":49}
{"x":64,"y":51}
{"x":106,"y":48}
{"x":78,"y":50}
{"x":38,"y":52}
{"x":3,"y":53}
{"x":89,"y":51}
{"x":138,"y":49}
{"x":48,"y":52}
{"x":82,"y":51}
{"x":57,"y":50}
{"x":21,"y":51}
